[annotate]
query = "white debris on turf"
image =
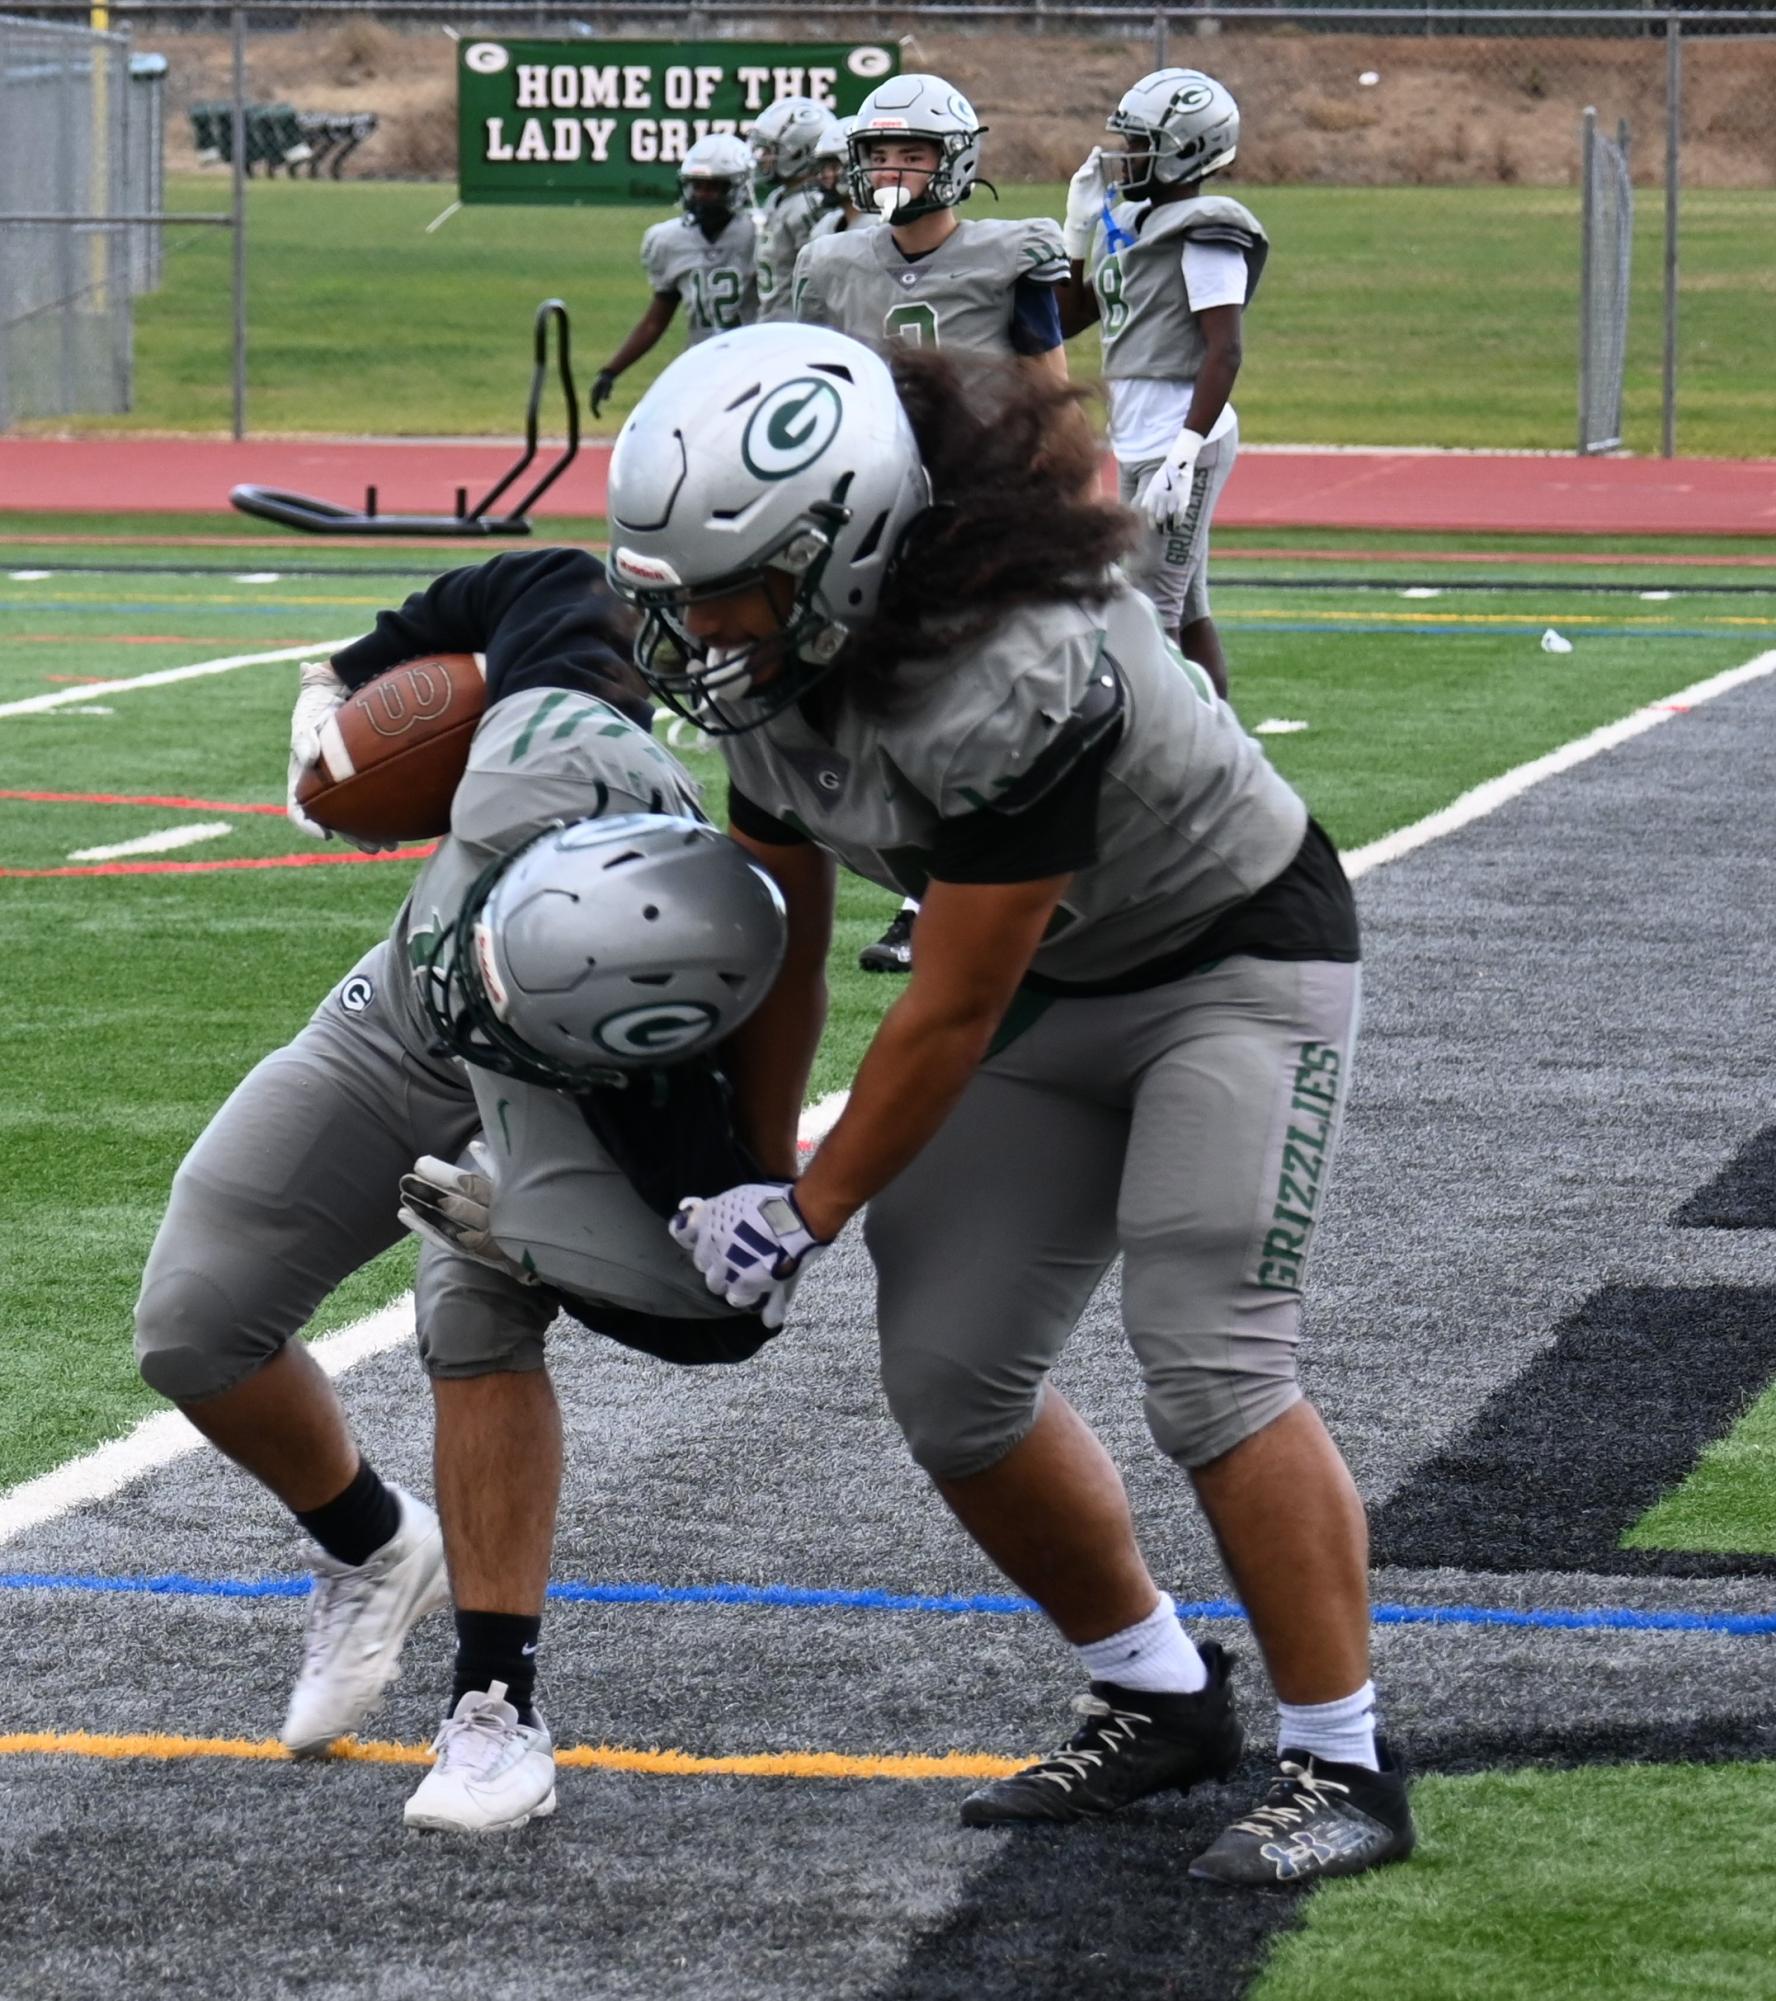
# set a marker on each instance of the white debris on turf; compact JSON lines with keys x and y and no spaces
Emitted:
{"x":1553,"y":642}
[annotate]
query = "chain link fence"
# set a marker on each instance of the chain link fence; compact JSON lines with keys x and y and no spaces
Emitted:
{"x":1479,"y":104}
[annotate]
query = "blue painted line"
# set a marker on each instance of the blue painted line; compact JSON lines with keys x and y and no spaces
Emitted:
{"x":789,"y":1597}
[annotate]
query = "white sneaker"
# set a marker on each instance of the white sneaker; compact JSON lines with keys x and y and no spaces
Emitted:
{"x":493,"y":1772}
{"x":358,"y":1619}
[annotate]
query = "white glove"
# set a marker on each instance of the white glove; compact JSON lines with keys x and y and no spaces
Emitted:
{"x":750,"y":1244}
{"x":1085,"y":205}
{"x":1166,"y":496}
{"x":452,"y":1206}
{"x":321,"y":693}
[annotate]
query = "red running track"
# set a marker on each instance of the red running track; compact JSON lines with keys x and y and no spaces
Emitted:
{"x":1448,"y":493}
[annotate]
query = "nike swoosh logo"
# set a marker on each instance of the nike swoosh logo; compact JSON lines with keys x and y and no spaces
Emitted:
{"x":527,"y":1650}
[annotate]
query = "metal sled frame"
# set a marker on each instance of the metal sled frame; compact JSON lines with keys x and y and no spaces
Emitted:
{"x":323,"y":517}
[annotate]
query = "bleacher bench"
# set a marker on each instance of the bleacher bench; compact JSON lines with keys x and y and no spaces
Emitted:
{"x":278,"y":135}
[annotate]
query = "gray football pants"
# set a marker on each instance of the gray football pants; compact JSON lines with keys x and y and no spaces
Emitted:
{"x":294,"y":1184}
{"x":1172,"y":567}
{"x":1190,"y":1128}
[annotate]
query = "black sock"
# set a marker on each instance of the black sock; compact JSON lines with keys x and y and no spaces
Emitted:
{"x":354,"y":1525}
{"x":497,"y":1646}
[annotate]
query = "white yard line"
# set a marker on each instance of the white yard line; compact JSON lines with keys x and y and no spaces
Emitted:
{"x":64,"y":698}
{"x":1509,"y":785}
{"x":158,"y":1440}
{"x":158,"y":843}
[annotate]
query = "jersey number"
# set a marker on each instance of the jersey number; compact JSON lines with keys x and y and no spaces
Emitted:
{"x":715,"y":297}
{"x":1112,"y":306}
{"x":916,"y":324}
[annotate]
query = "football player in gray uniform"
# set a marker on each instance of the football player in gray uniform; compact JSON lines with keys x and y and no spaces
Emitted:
{"x":931,"y":279}
{"x":704,"y":256}
{"x":1128,"y":1030}
{"x":785,"y":144}
{"x":833,"y":159}
{"x":430,"y":1040}
{"x":1167,"y":272}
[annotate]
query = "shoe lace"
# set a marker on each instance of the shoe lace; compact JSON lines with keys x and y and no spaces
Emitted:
{"x":475,"y":1742}
{"x":338,"y":1597}
{"x":1298,"y":1792}
{"x":1107,"y":1731}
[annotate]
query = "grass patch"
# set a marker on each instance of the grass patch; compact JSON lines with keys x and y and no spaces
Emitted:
{"x":1728,"y":1504}
{"x":362,"y":323}
{"x":1642,"y":1884}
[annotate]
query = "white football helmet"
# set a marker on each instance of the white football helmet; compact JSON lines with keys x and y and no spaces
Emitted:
{"x":775,"y":449}
{"x":783,"y":138}
{"x":605,"y":947}
{"x":721,"y":157}
{"x":1186,"y":126}
{"x":918,"y":106}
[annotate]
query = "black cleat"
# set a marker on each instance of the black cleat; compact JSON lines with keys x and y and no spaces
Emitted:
{"x":1318,"y":1819}
{"x":1131,"y":1743}
{"x":893,"y":951}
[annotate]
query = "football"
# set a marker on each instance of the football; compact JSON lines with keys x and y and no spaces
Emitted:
{"x":393,"y":751}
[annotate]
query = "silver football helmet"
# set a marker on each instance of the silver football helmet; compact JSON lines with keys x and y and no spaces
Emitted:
{"x":918,"y":106}
{"x":832,"y":152}
{"x":1184,"y":125}
{"x":605,"y":947}
{"x":721,"y":157}
{"x":775,"y":450}
{"x":783,"y":138}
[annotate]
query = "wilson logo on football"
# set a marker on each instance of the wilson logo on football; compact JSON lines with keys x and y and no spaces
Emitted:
{"x":664,"y":1028}
{"x":791,"y":427}
{"x":413,"y":695}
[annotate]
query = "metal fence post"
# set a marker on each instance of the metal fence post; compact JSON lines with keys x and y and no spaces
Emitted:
{"x":1673,"y":142}
{"x":1161,"y":39}
{"x":1587,"y":233}
{"x":237,"y":28}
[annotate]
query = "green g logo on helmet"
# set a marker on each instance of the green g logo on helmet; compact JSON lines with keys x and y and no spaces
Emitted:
{"x":791,"y":427}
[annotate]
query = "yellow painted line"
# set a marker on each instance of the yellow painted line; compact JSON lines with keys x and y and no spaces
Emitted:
{"x":584,"y":1757}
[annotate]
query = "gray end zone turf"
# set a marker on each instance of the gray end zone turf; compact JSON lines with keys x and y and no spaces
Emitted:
{"x":1566,"y":1038}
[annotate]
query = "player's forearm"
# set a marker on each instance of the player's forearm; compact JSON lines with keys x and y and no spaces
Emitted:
{"x":915,"y":1070}
{"x":1077,"y":301}
{"x":1214,"y":386}
{"x":770,"y":1059}
{"x":643,"y":336}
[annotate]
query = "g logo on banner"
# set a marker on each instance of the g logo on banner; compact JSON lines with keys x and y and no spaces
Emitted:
{"x":663,"y":1029}
{"x":791,"y":427}
{"x":869,"y":62}
{"x":486,"y":58}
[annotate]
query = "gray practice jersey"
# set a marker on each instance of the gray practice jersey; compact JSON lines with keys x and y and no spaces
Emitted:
{"x":1192,"y":818}
{"x":785,"y":223}
{"x":1137,"y":271}
{"x":717,"y":281}
{"x":962,"y":295}
{"x":539,"y":756}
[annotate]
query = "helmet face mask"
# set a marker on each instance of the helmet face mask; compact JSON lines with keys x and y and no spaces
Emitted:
{"x":716,"y":179}
{"x":776,"y":465}
{"x":604,"y":949}
{"x":916,"y":106}
{"x":1181,"y":126}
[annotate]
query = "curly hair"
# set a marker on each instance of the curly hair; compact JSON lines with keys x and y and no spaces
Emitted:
{"x":1015,"y":517}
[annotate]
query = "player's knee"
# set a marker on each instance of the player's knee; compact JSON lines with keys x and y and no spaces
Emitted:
{"x":955,"y":1421}
{"x":1196,"y":1414}
{"x":189,"y":1338}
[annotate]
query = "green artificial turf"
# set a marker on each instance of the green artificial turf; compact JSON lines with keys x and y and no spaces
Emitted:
{"x":1635,"y":1883}
{"x":1388,"y":316}
{"x":1728,"y":1504}
{"x":139,"y":1001}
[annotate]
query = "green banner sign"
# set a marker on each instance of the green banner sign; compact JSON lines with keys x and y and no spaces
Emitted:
{"x":597,"y":121}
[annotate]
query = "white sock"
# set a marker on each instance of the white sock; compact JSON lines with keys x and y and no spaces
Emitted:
{"x":1343,"y":1732}
{"x":910,"y":903}
{"x":1157,"y":1655}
